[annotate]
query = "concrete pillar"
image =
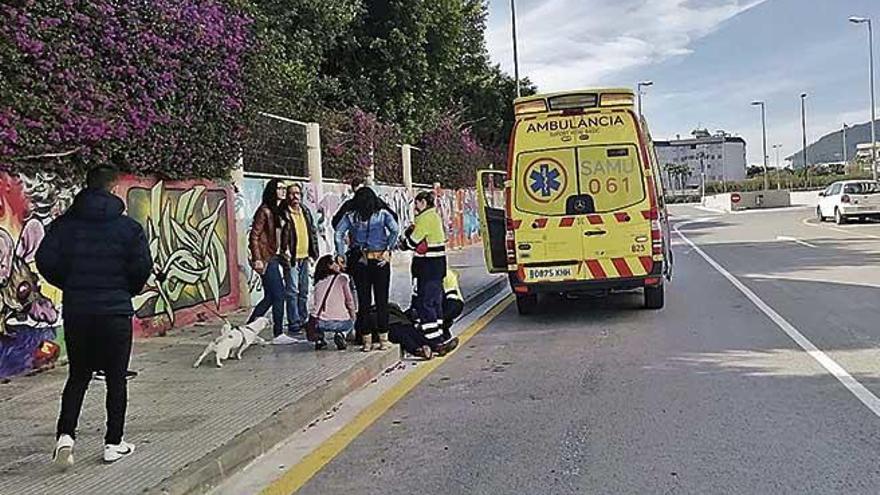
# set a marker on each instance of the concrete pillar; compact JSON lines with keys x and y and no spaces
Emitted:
{"x":313,"y":153}
{"x":371,"y":170}
{"x":406,"y":161}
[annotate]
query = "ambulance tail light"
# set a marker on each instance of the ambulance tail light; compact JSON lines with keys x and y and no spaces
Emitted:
{"x":656,"y":233}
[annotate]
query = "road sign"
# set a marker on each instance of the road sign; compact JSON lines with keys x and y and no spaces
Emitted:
{"x":735,"y":198}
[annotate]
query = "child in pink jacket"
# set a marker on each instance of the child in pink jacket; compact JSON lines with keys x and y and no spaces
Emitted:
{"x":339,"y":312}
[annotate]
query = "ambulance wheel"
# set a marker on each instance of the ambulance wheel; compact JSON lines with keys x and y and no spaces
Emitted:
{"x":526,"y":305}
{"x":654,"y":297}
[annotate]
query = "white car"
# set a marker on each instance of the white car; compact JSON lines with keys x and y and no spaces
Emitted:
{"x":848,"y":199}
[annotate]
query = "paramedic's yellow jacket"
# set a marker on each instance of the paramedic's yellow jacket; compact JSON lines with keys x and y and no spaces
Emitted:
{"x":427,"y":238}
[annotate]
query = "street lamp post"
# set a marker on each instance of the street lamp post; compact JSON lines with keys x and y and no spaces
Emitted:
{"x":865,"y":20}
{"x":843,"y":134}
{"x":764,"y":141}
{"x":639,"y":86}
{"x":804,"y":129}
{"x":515,"y":52}
{"x":777,"y":147}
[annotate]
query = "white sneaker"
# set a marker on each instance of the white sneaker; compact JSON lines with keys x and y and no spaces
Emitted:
{"x":113,"y":453}
{"x":63,"y":454}
{"x":284,"y":339}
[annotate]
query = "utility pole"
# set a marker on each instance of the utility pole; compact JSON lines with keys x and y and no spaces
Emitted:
{"x":865,"y":20}
{"x":515,"y":52}
{"x":764,"y":140}
{"x":843,"y":134}
{"x":639,"y":86}
{"x":804,"y":129}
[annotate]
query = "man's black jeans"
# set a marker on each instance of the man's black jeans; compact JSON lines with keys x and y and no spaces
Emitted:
{"x":96,"y":342}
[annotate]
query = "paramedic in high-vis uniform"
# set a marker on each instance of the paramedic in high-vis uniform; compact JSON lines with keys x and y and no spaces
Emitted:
{"x":427,"y":240}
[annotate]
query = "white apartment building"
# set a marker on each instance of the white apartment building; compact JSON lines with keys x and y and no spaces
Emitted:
{"x":721,"y":156}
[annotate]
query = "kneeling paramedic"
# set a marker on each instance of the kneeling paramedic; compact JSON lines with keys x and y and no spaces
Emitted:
{"x":427,"y":240}
{"x":453,"y":305}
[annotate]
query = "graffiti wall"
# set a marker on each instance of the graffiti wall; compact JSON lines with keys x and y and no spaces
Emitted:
{"x":190,"y":227}
{"x":31,"y":330}
{"x":191,"y":230}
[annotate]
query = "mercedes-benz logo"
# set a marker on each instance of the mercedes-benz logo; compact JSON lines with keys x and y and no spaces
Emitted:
{"x":580,"y":205}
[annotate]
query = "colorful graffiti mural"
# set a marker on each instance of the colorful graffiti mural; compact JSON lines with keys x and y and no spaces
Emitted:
{"x":190,"y":227}
{"x":31,"y":334}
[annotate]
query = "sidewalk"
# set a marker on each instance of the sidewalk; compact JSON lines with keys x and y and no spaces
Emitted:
{"x":195,"y":426}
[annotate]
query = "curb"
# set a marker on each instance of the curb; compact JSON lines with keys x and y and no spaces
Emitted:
{"x":221,"y":463}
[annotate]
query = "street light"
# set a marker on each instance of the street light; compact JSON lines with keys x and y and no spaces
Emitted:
{"x":764,"y":129}
{"x":804,"y":129}
{"x":843,"y":134}
{"x":865,"y":20}
{"x":777,"y":147}
{"x":515,"y":53}
{"x":639,"y":86}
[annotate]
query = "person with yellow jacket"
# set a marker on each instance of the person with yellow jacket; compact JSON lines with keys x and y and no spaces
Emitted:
{"x":427,"y":240}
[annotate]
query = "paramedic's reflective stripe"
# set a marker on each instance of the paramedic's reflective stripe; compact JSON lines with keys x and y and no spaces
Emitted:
{"x":432,"y":330}
{"x":453,"y":294}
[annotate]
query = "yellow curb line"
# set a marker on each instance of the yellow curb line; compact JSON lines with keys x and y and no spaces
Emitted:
{"x":310,"y":465}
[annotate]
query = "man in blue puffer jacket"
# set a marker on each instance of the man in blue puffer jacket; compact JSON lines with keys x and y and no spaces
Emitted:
{"x":100,"y":259}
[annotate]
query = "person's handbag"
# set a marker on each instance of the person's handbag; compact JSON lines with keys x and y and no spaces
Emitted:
{"x":312,"y":333}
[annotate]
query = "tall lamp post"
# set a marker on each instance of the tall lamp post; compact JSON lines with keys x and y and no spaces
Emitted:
{"x":865,"y":20}
{"x":804,"y":129}
{"x":764,"y":132}
{"x":515,"y":52}
{"x":777,"y":147}
{"x":843,"y":135}
{"x":639,"y":86}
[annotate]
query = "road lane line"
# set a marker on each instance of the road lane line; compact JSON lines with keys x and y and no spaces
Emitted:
{"x":786,"y":238}
{"x":860,"y":391}
{"x":298,"y":475}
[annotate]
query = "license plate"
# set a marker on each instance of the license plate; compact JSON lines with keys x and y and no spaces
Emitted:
{"x":549,"y":273}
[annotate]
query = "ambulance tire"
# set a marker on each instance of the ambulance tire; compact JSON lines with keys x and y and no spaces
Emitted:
{"x":654,"y":297}
{"x":527,"y":304}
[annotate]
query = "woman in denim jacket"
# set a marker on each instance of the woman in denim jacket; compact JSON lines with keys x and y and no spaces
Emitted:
{"x":371,"y":232}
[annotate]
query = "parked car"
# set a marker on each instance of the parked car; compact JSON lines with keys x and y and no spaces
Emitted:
{"x":849,"y":199}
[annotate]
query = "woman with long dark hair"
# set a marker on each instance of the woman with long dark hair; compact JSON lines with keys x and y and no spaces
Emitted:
{"x":334,"y":307}
{"x":266,"y":259}
{"x":367,"y":254}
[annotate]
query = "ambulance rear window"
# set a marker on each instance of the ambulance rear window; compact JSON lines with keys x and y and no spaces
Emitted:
{"x":612,"y":175}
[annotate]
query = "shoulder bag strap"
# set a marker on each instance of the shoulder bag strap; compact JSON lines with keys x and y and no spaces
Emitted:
{"x":326,"y":295}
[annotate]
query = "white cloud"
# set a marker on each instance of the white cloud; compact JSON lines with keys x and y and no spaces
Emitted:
{"x":571,"y":43}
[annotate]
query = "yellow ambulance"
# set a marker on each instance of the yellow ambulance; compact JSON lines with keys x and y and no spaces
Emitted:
{"x":580,"y":207}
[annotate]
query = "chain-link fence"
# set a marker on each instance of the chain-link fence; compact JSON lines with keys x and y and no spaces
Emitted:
{"x":277,"y":147}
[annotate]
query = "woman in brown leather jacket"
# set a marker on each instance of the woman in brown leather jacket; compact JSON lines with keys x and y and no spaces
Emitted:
{"x":265,"y":258}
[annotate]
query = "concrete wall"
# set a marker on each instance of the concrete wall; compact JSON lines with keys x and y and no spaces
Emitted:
{"x":805,"y":198}
{"x":748,"y":200}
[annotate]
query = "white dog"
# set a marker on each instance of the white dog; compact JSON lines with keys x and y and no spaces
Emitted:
{"x":234,"y":341}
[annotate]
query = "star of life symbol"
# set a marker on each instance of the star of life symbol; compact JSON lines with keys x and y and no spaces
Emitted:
{"x":545,"y":180}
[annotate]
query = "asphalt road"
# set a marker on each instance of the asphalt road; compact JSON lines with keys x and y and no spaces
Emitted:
{"x":707,"y":396}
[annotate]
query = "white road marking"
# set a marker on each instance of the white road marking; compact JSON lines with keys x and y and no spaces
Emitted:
{"x":786,"y":238}
{"x":764,"y":276}
{"x":860,"y":391}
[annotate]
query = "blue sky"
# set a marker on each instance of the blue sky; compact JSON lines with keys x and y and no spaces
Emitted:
{"x":708,"y":59}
